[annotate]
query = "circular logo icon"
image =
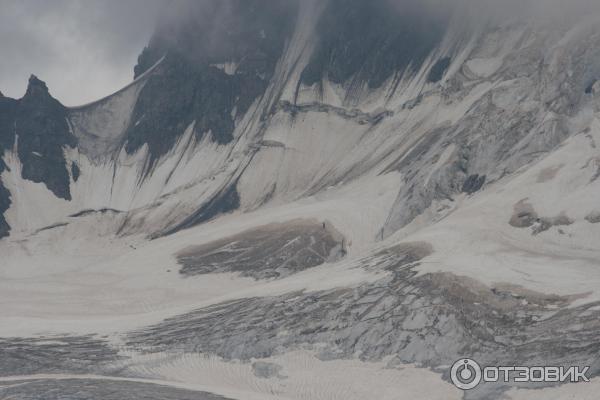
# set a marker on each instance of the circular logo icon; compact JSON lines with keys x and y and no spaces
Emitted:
{"x":465,"y":374}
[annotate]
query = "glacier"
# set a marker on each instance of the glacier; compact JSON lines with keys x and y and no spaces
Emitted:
{"x":282,"y":206}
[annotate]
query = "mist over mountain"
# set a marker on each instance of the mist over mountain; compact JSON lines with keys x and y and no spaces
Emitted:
{"x":83,"y":50}
{"x":316,"y":199}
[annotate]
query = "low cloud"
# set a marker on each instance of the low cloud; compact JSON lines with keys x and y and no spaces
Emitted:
{"x":502,"y":9}
{"x":83,"y":49}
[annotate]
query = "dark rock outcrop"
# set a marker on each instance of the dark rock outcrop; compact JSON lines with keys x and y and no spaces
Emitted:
{"x":43,"y":131}
{"x":4,"y":205}
{"x":177,"y":94}
{"x":217,"y":62}
{"x":7,"y":121}
{"x":473,"y":184}
{"x":75,"y":171}
{"x":438,"y":70}
{"x":37,"y":124}
{"x":370,"y":41}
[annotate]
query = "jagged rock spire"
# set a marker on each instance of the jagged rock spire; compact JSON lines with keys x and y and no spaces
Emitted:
{"x":36,"y":87}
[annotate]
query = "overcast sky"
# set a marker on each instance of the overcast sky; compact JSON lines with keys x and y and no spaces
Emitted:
{"x":86,"y":49}
{"x":83,"y":49}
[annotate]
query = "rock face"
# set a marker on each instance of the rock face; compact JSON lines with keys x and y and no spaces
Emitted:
{"x":229,"y":72}
{"x":437,"y":71}
{"x":37,"y":125}
{"x":4,"y":205}
{"x":216,"y":62}
{"x":371,"y":42}
{"x":43,"y":132}
{"x":7,"y":112}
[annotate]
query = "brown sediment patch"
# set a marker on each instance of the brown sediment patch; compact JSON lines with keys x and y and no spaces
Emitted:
{"x":271,"y":251}
{"x":502,"y":297}
{"x":406,"y":253}
{"x":519,"y":292}
{"x":525,"y":216}
{"x":593,"y":217}
{"x":546,"y":223}
{"x":547,"y":174}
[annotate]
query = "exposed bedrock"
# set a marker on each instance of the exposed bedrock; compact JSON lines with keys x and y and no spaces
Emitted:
{"x":439,"y":68}
{"x":360,"y":117}
{"x":42,"y":130}
{"x":7,"y":112}
{"x":506,"y":128}
{"x":36,"y":126}
{"x":393,"y":38}
{"x":4,"y":205}
{"x":204,"y":82}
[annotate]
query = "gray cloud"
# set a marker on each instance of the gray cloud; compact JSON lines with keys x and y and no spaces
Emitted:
{"x":84,"y":50}
{"x":502,"y":9}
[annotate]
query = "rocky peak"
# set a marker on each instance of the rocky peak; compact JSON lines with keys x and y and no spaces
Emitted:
{"x":40,"y":121}
{"x":36,"y":87}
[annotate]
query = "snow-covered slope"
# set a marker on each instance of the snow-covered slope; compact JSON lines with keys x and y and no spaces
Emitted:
{"x":357,"y":211}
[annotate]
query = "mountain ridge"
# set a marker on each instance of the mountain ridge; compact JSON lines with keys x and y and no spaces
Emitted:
{"x":305,"y":200}
{"x":158,"y":119}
